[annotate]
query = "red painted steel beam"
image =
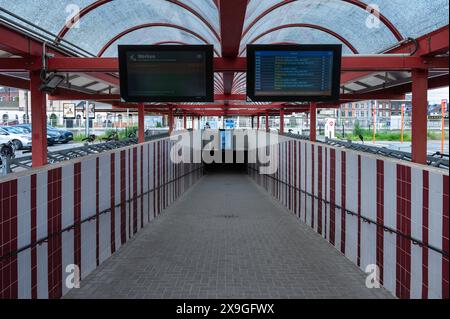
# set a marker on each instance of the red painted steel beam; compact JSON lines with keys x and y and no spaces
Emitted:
{"x":281,"y":121}
{"x":308,"y":26}
{"x":38,"y":121}
{"x":18,"y":43}
{"x":227,"y":112}
{"x":430,"y":44}
{"x":433,"y":43}
{"x":392,"y":63}
{"x":16,"y":64}
{"x":14,"y":82}
{"x":230,"y":97}
{"x":170,"y":121}
{"x":313,"y":122}
{"x":65,"y":94}
{"x":228,"y":79}
{"x":349,"y":63}
{"x":357,"y":3}
{"x":146,"y":26}
{"x":232,"y":17}
{"x":230,"y":65}
{"x":141,"y":123}
{"x":100,"y":3}
{"x":238,"y":112}
{"x":419,"y":116}
{"x":274,"y":108}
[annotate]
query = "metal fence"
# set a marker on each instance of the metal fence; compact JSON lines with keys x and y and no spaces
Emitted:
{"x":25,"y":163}
{"x":436,"y":160}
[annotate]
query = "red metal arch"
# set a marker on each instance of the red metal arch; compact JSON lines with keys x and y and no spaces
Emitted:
{"x":357,"y":3}
{"x":170,"y":42}
{"x":145,"y":26}
{"x":100,"y":3}
{"x":306,"y":25}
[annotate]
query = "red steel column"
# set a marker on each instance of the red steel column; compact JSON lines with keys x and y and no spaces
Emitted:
{"x":267,"y":121}
{"x":141,"y":123}
{"x":419,"y":115}
{"x":38,"y":121}
{"x":312,"y":119}
{"x":170,"y":121}
{"x":281,"y":122}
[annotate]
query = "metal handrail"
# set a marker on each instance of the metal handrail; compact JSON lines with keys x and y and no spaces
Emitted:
{"x":93,"y":217}
{"x":363,"y":218}
{"x":68,"y":154}
{"x":436,"y":160}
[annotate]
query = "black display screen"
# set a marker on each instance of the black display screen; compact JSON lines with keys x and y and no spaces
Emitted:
{"x":166,"y":73}
{"x":293,"y":73}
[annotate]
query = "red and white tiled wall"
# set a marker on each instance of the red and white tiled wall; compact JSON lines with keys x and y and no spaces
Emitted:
{"x":317,"y":182}
{"x":81,"y":212}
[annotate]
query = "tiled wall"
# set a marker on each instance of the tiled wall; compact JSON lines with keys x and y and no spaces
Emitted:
{"x":80,"y":212}
{"x":318,"y":183}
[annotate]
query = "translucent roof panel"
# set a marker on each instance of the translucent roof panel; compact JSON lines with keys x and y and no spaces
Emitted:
{"x":109,"y":20}
{"x":299,"y":36}
{"x":48,"y":14}
{"x":256,"y":8}
{"x":207,"y":9}
{"x":412,"y":18}
{"x":100,"y":25}
{"x":348,"y":20}
{"x":157,"y":35}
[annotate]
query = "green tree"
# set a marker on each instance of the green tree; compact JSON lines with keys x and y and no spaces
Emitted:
{"x":357,"y":130}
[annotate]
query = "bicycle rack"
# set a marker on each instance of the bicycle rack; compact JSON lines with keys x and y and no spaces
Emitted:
{"x":436,"y":160}
{"x":25,"y":163}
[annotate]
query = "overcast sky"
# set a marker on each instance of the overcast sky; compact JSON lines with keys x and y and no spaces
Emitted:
{"x":436,"y":96}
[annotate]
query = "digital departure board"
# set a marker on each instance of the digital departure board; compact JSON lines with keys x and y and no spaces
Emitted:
{"x":166,"y":73}
{"x":296,"y":73}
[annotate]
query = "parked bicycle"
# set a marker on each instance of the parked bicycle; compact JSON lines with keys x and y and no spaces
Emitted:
{"x":90,"y":139}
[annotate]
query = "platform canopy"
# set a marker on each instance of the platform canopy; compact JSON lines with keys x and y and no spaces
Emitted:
{"x":198,"y":21}
{"x":96,"y":28}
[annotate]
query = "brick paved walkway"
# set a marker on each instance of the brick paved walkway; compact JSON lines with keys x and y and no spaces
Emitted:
{"x":226,"y":238}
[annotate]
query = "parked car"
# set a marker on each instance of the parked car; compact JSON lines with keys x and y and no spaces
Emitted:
{"x":19,"y":139}
{"x":4,"y":137}
{"x":58,"y":135}
{"x":65,"y":135}
{"x":52,"y":137}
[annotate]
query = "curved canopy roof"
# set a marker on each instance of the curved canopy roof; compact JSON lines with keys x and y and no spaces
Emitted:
{"x":106,"y":23}
{"x":363,"y":27}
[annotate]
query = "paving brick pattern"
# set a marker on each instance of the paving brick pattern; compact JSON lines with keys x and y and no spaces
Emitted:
{"x":227,"y":238}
